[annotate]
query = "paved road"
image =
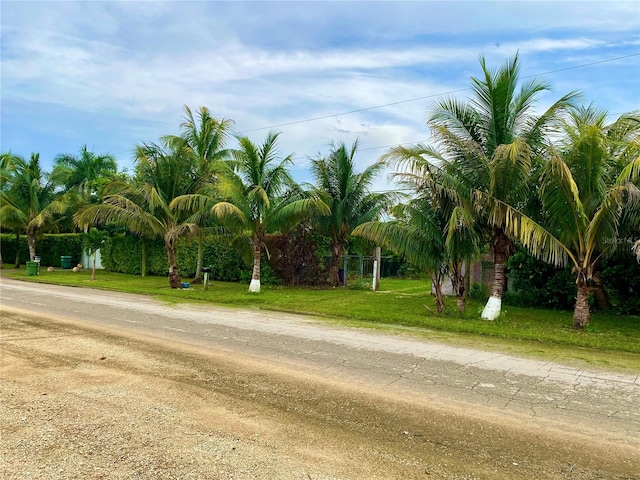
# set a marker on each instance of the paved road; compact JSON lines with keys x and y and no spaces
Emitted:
{"x":544,"y":392}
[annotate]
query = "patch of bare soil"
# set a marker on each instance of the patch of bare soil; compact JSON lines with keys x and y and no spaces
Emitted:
{"x":79,"y":403}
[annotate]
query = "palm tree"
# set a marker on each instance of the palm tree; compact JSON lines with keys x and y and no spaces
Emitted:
{"x":588,"y":188}
{"x":348,"y":197}
{"x":434,"y":233}
{"x":259,"y":197}
{"x":28,"y":201}
{"x":205,"y":139}
{"x":143,"y":205}
{"x":490,"y":143}
{"x":86,"y":172}
{"x":92,"y":241}
{"x":5,"y":175}
{"x":416,"y":235}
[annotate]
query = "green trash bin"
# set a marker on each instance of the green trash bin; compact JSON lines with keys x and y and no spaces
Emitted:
{"x":65,"y":261}
{"x":32,"y":268}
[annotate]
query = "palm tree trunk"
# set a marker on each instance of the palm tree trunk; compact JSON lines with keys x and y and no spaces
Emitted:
{"x":254,"y":286}
{"x":436,"y":284}
{"x":338,"y":252}
{"x":457,"y":282}
{"x":467,"y":278}
{"x":93,"y":270}
{"x":461,"y":303}
{"x":502,"y":247}
{"x":198,"y":276}
{"x":494,"y":304}
{"x":17,"y":264}
{"x":581,"y":313}
{"x":31,"y":241}
{"x":174,"y":276}
{"x":599,"y":293}
{"x":143,"y":258}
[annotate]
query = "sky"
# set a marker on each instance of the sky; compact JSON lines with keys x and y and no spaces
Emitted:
{"x":114,"y":74}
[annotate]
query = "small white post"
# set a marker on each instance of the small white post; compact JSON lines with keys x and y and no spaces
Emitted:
{"x":376,"y":269}
{"x":374,"y":283}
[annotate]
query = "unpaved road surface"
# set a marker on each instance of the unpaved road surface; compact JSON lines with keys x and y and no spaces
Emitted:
{"x":99,"y":385}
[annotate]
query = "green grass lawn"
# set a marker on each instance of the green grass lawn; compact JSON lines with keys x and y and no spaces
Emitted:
{"x":611,"y":341}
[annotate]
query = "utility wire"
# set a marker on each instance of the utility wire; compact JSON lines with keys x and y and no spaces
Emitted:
{"x":307,"y":120}
{"x":358,"y":110}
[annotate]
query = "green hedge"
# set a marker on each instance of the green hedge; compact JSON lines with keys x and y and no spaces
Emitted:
{"x":621,"y":276}
{"x":538,"y":284}
{"x":123,"y":254}
{"x":49,"y":247}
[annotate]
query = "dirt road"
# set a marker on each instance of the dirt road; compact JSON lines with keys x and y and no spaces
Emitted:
{"x":82,"y":401}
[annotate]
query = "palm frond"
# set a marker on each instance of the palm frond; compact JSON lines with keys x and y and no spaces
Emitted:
{"x":630,"y":173}
{"x":561,"y":202}
{"x":539,"y":241}
{"x":603,"y":229}
{"x":510,"y":171}
{"x":230,"y":214}
{"x":193,"y":203}
{"x":119,"y":210}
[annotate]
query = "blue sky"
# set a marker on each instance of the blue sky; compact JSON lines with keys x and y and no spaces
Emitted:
{"x":114,"y":74}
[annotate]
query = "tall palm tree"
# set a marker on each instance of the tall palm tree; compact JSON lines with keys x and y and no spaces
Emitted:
{"x":87,"y":172}
{"x":258,"y":197}
{"x":142,"y":206}
{"x":254,"y":193}
{"x":5,"y":175}
{"x":588,"y":188}
{"x":205,"y":139}
{"x":490,"y":143}
{"x":348,"y":196}
{"x":28,"y":201}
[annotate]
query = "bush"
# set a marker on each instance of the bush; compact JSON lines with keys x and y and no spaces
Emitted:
{"x":295,"y":258}
{"x":621,"y":275}
{"x":124,"y":255}
{"x":478,"y":292}
{"x":267,"y":275}
{"x":538,"y":284}
{"x":49,"y":247}
{"x":226,"y":264}
{"x":8,"y":247}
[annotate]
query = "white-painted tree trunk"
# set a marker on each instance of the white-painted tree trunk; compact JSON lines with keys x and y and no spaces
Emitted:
{"x":254,"y":286}
{"x":492,"y":308}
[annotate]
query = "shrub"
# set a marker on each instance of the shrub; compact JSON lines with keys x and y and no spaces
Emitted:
{"x":49,"y":247}
{"x":295,"y":258}
{"x":539,"y":284}
{"x":621,"y":275}
{"x":124,"y":255}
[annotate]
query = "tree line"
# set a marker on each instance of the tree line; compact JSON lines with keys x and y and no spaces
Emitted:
{"x":496,"y":174}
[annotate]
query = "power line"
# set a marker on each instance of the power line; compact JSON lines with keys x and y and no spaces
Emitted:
{"x":404,"y":144}
{"x":307,"y":120}
{"x":372,"y":148}
{"x":586,"y":65}
{"x":357,"y":111}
